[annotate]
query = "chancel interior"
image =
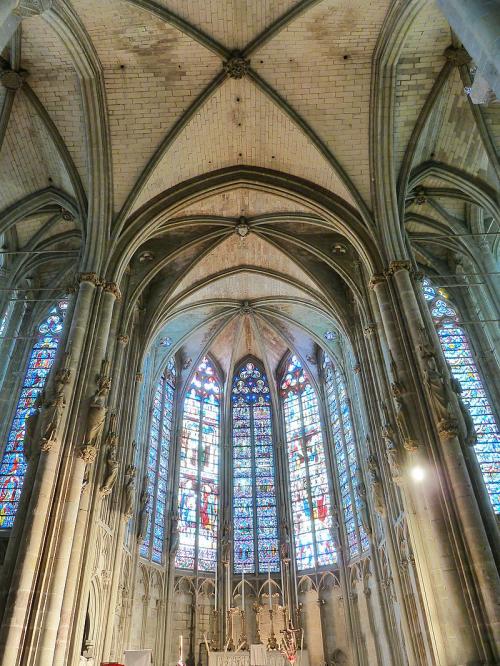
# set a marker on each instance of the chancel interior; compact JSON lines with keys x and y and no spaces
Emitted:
{"x":249,"y":340}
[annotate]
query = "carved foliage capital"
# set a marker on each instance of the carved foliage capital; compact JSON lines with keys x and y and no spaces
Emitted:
{"x":123,"y":340}
{"x":396,"y":266}
{"x":113,"y":288}
{"x":370,"y":330}
{"x":376,"y":278}
{"x":92,"y":278}
{"x":11,"y":79}
{"x":448,"y":428}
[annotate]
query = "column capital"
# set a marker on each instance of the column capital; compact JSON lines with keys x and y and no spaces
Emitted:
{"x":92,"y":278}
{"x":123,"y":339}
{"x":376,"y":278}
{"x":112,"y":288}
{"x":396,"y":266}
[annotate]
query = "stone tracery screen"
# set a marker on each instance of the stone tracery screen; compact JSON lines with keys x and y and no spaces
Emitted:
{"x":41,"y":359}
{"x":158,"y":463}
{"x":310,"y":491}
{"x":199,"y":472}
{"x":457,"y":351}
{"x":255,"y":517}
{"x":345,"y":456}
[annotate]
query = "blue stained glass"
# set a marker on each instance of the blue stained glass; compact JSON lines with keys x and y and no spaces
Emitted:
{"x":199,"y":472}
{"x":309,"y":488}
{"x":254,"y":489}
{"x":346,"y":457}
{"x":13,"y":465}
{"x":457,"y":351}
{"x":160,"y":435}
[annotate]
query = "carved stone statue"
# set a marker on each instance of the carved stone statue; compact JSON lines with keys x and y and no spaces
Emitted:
{"x":96,"y":416}
{"x":402,"y":418}
{"x":50,"y":417}
{"x":129,"y":492}
{"x":174,"y":534}
{"x":112,"y":464}
{"x":226,"y":542}
{"x":456,"y":387}
{"x":363,"y":505}
{"x":143,"y":509}
{"x":31,"y":426}
{"x":376,"y":485}
{"x":391,"y":448}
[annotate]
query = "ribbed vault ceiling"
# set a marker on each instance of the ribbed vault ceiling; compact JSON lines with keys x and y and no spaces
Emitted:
{"x":124,"y":100}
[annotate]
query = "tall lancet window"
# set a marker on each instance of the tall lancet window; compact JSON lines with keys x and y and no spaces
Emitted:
{"x":160,"y":435}
{"x":309,"y":487}
{"x":199,"y":472}
{"x":458,"y":353}
{"x":41,"y":359}
{"x":255,"y":517}
{"x":346,"y":458}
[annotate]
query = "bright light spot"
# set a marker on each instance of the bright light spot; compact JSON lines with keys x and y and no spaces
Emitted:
{"x":417,"y":473}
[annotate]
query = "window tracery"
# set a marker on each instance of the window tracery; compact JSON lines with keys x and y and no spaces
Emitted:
{"x":255,"y":519}
{"x":41,"y":359}
{"x":160,"y":435}
{"x":457,"y":351}
{"x":199,"y":472}
{"x":345,"y":456}
{"x":310,"y":492}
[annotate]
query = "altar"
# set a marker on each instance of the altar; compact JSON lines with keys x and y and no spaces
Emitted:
{"x":258,"y":656}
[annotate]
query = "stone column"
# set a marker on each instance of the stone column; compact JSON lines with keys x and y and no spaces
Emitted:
{"x":446,"y":417}
{"x":477,"y":23}
{"x":441,"y":563}
{"x":66,"y":571}
{"x":19,"y":602}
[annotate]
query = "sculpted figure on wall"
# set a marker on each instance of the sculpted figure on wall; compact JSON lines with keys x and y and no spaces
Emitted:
{"x":129,"y":492}
{"x":112,"y":464}
{"x":96,"y":415}
{"x":143,"y":509}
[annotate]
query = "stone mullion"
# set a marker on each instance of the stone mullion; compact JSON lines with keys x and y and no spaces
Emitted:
{"x":7,"y":346}
{"x":469,"y":535}
{"x":428,"y":522}
{"x":75,"y":536}
{"x":34,"y":531}
{"x":341,"y":540}
{"x":173,"y":510}
{"x":293,"y":597}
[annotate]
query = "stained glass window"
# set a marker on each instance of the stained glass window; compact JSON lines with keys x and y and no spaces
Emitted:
{"x":13,"y":465}
{"x":345,"y":456}
{"x":458,"y":353}
{"x":309,"y":487}
{"x":255,"y":517}
{"x":3,"y":322}
{"x":199,"y":472}
{"x":157,"y":464}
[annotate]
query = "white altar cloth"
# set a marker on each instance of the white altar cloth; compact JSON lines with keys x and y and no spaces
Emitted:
{"x":138,"y":657}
